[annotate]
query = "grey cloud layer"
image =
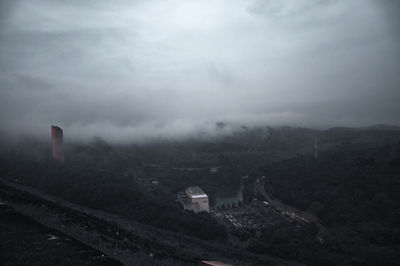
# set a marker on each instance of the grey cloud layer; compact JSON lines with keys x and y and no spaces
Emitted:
{"x":136,"y":69}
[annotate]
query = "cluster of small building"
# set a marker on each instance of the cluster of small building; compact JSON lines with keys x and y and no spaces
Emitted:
{"x":228,"y":218}
{"x":253,"y":217}
{"x":248,"y":219}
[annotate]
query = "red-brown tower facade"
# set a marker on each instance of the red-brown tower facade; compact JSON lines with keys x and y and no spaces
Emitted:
{"x":57,"y":142}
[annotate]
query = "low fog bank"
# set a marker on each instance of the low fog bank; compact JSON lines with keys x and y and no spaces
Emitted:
{"x":260,"y":143}
{"x":158,"y":133}
{"x":178,"y":132}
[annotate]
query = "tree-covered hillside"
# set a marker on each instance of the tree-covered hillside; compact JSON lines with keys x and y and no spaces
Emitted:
{"x":353,"y":186}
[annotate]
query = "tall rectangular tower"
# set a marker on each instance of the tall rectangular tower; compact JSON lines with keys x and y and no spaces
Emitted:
{"x":57,"y":142}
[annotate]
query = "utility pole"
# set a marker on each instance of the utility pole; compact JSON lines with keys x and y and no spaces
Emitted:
{"x":315,"y":148}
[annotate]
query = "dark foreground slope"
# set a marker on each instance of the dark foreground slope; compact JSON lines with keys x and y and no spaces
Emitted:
{"x":131,"y":242}
{"x":26,"y":242}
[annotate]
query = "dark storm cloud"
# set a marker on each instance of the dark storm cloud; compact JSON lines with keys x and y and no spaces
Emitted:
{"x":137,"y":69}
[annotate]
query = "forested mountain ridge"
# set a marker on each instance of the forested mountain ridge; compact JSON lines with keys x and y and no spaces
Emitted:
{"x":352,"y":185}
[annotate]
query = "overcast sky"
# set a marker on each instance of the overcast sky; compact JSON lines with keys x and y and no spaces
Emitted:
{"x":135,"y":69}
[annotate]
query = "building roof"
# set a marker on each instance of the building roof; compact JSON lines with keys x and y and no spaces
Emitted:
{"x":214,"y":263}
{"x":195,"y":192}
{"x":56,"y":127}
